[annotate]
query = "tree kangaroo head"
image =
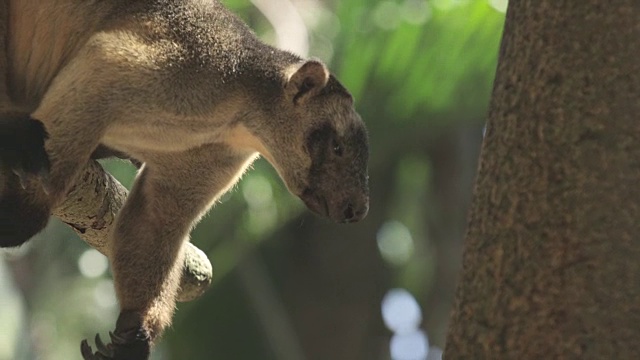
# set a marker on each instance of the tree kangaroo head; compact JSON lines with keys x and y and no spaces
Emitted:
{"x":320,"y":146}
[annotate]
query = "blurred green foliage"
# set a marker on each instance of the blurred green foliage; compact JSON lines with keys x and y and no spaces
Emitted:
{"x":417,"y":57}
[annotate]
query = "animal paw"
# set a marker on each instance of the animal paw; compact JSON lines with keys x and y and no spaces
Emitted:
{"x":132,"y":345}
{"x":105,"y":352}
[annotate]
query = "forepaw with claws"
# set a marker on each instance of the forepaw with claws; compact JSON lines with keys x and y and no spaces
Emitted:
{"x":133,"y":345}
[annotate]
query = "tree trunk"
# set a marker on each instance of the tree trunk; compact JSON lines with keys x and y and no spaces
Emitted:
{"x":551,"y":267}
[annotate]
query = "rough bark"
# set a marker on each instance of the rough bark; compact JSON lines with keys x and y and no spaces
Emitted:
{"x":90,"y":209}
{"x":551,"y":264}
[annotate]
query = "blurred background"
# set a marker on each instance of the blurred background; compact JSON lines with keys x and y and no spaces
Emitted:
{"x":288,"y":285}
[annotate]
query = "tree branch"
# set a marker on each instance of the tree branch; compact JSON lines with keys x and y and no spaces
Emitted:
{"x":90,"y":209}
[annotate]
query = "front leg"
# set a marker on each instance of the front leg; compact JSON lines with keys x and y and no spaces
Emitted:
{"x":168,"y":198}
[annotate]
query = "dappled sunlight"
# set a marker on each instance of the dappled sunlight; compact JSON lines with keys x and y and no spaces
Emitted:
{"x":263,"y":212}
{"x":416,"y":12}
{"x":389,"y":14}
{"x":500,"y":5}
{"x":257,"y":192}
{"x":403,"y":316}
{"x":448,"y":4}
{"x":104,"y":294}
{"x":92,"y":263}
{"x":11,"y":314}
{"x":395,"y":242}
{"x":386,"y":15}
{"x":400,"y":311}
{"x":291,"y":31}
{"x":412,"y":345}
{"x":263,"y":220}
{"x":435,"y":353}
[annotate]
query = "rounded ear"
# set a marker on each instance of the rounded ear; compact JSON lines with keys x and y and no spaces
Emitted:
{"x":306,"y":80}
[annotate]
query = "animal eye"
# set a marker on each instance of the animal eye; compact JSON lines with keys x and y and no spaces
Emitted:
{"x":337,"y":149}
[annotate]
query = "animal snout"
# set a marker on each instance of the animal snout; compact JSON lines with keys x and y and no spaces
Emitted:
{"x":355,"y":210}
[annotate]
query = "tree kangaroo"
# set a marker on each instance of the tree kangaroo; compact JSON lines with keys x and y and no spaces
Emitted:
{"x":185,"y":87}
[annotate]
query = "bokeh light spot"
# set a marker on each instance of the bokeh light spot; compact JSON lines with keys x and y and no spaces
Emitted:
{"x":257,"y":192}
{"x":400,"y":311}
{"x":104,"y":294}
{"x":395,"y":242}
{"x":435,"y":353}
{"x":413,"y":345}
{"x":499,"y":5}
{"x":260,"y":221}
{"x":92,"y":264}
{"x":416,"y":12}
{"x":387,"y":15}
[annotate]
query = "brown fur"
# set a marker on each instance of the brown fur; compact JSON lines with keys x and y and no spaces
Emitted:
{"x":185,"y":87}
{"x":4,"y":94}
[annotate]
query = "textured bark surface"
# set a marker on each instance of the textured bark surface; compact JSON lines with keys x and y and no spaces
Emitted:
{"x":90,"y":209}
{"x":551,"y":267}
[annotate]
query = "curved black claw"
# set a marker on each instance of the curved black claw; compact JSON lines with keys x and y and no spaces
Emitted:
{"x":105,"y":352}
{"x":128,"y":346}
{"x":102,"y":348}
{"x":117,"y":339}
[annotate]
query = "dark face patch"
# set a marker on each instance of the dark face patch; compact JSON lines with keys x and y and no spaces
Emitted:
{"x":338,"y":181}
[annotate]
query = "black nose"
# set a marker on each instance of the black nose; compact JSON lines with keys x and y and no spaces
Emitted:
{"x":354,"y":213}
